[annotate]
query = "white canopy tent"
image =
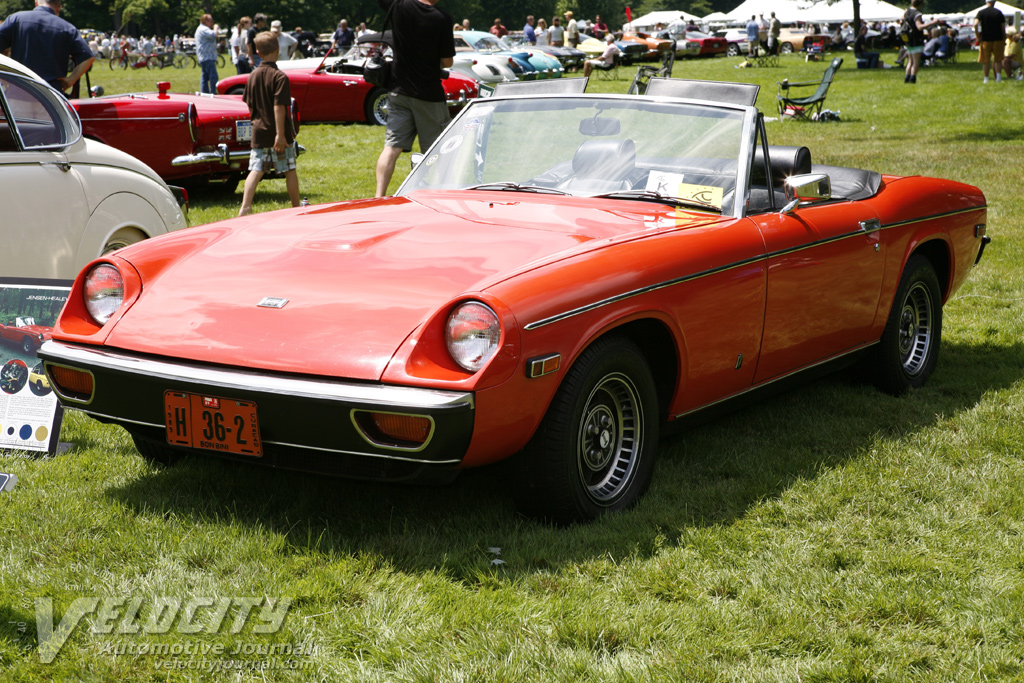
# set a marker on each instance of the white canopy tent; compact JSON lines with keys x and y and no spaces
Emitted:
{"x":789,"y":11}
{"x":648,"y":21}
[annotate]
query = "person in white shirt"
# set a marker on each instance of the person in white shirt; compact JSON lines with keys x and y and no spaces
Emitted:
{"x":541,"y":32}
{"x":572,"y":30}
{"x":556,"y":34}
{"x":607,"y":58}
{"x":285,"y":42}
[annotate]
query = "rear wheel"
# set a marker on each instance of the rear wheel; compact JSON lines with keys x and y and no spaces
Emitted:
{"x":734,"y":50}
{"x":786,"y":48}
{"x":376,"y":107}
{"x":909,"y":349}
{"x":594,"y":451}
{"x":179,"y":61}
{"x":152,"y":62}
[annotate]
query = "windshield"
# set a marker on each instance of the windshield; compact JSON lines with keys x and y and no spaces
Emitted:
{"x":489,"y":44}
{"x":590,"y":146}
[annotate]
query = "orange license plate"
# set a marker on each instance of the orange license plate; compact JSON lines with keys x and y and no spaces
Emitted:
{"x":212,"y":423}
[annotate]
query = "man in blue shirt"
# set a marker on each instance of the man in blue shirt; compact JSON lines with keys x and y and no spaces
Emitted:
{"x":44,"y":42}
{"x":206,"y":53}
{"x":753,"y":28}
{"x":529,"y":35}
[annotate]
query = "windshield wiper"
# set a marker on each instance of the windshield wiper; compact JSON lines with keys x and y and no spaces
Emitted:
{"x":515,"y":187}
{"x":651,"y":196}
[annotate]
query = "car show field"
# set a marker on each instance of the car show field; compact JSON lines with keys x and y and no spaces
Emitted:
{"x":832,"y":533}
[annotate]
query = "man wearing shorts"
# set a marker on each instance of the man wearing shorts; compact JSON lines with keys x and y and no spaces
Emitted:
{"x":990,"y":25}
{"x":424,"y":44}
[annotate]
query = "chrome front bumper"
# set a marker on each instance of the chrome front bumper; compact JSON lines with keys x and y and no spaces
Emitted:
{"x":222,"y":155}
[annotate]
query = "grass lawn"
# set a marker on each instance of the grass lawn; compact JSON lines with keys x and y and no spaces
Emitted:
{"x":832,"y":534}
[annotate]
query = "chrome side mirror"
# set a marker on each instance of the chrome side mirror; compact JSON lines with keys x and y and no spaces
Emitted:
{"x":415,"y":158}
{"x":805,"y":189}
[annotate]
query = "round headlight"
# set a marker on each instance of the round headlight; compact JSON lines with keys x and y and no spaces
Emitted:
{"x":103,"y":292}
{"x":473,"y":334}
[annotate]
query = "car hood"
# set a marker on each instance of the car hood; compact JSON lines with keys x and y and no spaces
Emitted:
{"x":358,"y":277}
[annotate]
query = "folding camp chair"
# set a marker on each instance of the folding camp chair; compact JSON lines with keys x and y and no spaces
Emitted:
{"x":645,"y":73}
{"x":805,"y":107}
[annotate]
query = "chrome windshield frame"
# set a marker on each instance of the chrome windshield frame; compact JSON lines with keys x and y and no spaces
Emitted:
{"x":748,"y":134}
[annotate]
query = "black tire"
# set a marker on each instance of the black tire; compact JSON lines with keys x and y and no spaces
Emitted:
{"x":786,"y":48}
{"x":376,"y":107}
{"x":909,"y":349}
{"x":221,"y":61}
{"x":27,"y":345}
{"x":594,"y":451}
{"x":179,"y":61}
{"x":152,"y":62}
{"x":237,"y":90}
{"x":156,"y":452}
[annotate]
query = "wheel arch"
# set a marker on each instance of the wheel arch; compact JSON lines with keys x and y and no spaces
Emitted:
{"x":659,"y":346}
{"x":937,"y":251}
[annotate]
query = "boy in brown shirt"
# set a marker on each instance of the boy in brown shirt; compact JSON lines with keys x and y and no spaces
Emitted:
{"x":268,"y":94}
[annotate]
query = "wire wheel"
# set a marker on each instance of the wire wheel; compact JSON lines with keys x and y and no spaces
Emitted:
{"x":610,"y":438}
{"x":915,"y":329}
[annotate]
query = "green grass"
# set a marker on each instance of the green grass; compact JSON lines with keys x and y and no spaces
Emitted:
{"x":832,"y":534}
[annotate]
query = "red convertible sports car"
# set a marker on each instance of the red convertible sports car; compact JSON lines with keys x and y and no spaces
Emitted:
{"x":654,"y":258}
{"x":183,"y":137}
{"x":23,"y":331}
{"x":332,"y":90}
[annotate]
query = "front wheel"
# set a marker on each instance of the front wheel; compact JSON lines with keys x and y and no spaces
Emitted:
{"x":376,"y":107}
{"x":153,"y":62}
{"x":594,"y":451}
{"x":156,"y":452}
{"x":27,"y":345}
{"x":786,"y":48}
{"x":906,"y":355}
{"x":237,"y":90}
{"x":221,"y":61}
{"x":734,"y":50}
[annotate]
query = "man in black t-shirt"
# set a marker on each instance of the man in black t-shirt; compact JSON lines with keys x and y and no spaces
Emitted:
{"x":424,"y":44}
{"x":990,"y":25}
{"x":259,"y":23}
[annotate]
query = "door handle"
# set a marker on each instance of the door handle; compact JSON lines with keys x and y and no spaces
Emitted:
{"x":62,"y":165}
{"x":871,"y":228}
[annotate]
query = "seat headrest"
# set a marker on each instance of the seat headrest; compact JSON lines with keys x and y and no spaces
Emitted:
{"x":604,"y":159}
{"x":785,"y":161}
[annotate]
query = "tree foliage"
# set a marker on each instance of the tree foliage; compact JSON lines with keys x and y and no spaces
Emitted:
{"x":182,"y":16}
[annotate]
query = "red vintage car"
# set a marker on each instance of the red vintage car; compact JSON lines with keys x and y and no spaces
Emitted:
{"x":23,"y":331}
{"x":185,"y":138}
{"x":709,"y":45}
{"x":654,"y":258}
{"x":332,"y":90}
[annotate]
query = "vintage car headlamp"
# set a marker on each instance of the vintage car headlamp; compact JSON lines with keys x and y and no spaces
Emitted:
{"x":472,"y":334}
{"x":103,"y":291}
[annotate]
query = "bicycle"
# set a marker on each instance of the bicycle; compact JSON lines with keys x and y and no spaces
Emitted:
{"x":186,"y":56}
{"x":133,"y":59}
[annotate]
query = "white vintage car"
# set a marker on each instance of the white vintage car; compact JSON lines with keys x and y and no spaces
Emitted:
{"x":66,"y":199}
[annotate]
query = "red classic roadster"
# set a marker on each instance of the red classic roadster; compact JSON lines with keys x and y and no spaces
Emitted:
{"x":23,"y":331}
{"x":654,"y":258}
{"x":183,"y":137}
{"x":332,"y":90}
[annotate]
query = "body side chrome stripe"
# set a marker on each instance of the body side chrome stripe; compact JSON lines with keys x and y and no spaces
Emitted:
{"x":373,"y":395}
{"x":773,"y":380}
{"x":761,"y":257}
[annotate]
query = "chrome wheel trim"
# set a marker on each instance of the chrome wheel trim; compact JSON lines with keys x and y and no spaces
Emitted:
{"x":915,"y":329}
{"x":380,"y":109}
{"x":610,"y":438}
